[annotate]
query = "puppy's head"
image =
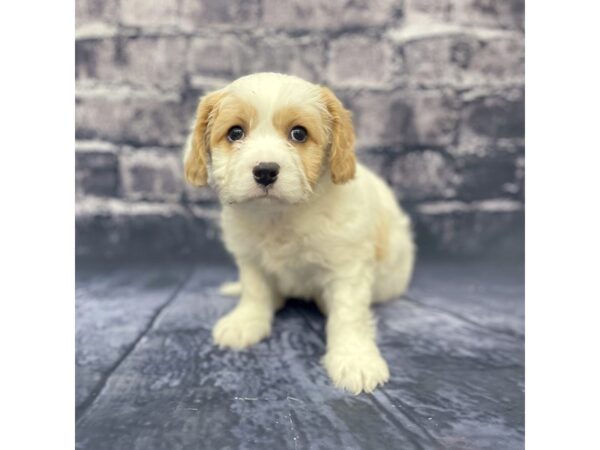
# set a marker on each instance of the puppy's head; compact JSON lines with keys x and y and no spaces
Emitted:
{"x":272,"y":137}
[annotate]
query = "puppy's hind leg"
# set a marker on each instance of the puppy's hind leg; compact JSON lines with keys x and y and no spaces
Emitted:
{"x":234,"y":289}
{"x":393,"y":274}
{"x":231,"y":289}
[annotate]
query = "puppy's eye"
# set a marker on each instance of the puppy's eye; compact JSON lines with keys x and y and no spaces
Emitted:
{"x":235,"y":133}
{"x":298,"y":134}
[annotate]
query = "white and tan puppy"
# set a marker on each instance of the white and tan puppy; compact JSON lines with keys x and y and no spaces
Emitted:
{"x":300,"y":216}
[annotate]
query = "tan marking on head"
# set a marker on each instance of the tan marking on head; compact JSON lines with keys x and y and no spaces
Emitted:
{"x":195,"y":165}
{"x":311,"y":151}
{"x":232,"y":111}
{"x":342,"y":160}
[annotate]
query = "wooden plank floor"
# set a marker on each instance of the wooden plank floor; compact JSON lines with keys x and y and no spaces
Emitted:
{"x":148,"y":376}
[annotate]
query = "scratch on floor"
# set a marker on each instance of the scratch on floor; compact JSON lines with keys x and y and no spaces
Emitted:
{"x":246,"y":399}
{"x":292,"y":425}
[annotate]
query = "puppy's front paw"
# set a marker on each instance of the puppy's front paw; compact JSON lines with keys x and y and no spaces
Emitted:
{"x":356,"y":371}
{"x":241,"y":328}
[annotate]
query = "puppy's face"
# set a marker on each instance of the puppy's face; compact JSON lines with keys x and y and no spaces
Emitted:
{"x":269,"y":137}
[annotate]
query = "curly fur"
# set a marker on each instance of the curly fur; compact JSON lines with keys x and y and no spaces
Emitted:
{"x":328,"y":229}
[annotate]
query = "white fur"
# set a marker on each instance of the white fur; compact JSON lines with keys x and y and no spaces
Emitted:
{"x":232,"y":177}
{"x":311,"y":242}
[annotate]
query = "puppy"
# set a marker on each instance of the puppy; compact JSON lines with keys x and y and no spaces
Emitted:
{"x":301,"y":217}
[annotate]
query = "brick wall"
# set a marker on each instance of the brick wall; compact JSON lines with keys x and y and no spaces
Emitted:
{"x":436,"y":88}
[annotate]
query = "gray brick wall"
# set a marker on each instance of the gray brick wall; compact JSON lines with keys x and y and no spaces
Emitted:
{"x":436,"y":88}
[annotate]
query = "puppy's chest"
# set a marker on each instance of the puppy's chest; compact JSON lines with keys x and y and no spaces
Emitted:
{"x":294,"y":259}
{"x":286,"y":248}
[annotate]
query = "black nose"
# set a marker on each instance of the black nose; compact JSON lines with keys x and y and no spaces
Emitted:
{"x":265,"y":173}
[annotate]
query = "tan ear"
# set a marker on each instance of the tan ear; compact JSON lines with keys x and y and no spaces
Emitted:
{"x":197,"y":147}
{"x":343,"y":160}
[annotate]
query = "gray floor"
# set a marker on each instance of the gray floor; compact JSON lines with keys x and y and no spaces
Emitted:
{"x":148,"y":376}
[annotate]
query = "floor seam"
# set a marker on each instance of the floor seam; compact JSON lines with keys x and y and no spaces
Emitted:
{"x":82,"y":409}
{"x":460,"y":317}
{"x":396,"y":422}
{"x":377,"y":403}
{"x":407,"y":414}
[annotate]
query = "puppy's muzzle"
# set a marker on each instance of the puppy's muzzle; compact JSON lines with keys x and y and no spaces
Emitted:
{"x":265,"y":173}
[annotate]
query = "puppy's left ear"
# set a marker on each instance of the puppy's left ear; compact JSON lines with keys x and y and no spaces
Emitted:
{"x":197,"y":147}
{"x":342,"y":159}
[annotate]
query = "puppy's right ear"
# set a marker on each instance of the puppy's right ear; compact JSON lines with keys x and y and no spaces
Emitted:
{"x":197,"y":146}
